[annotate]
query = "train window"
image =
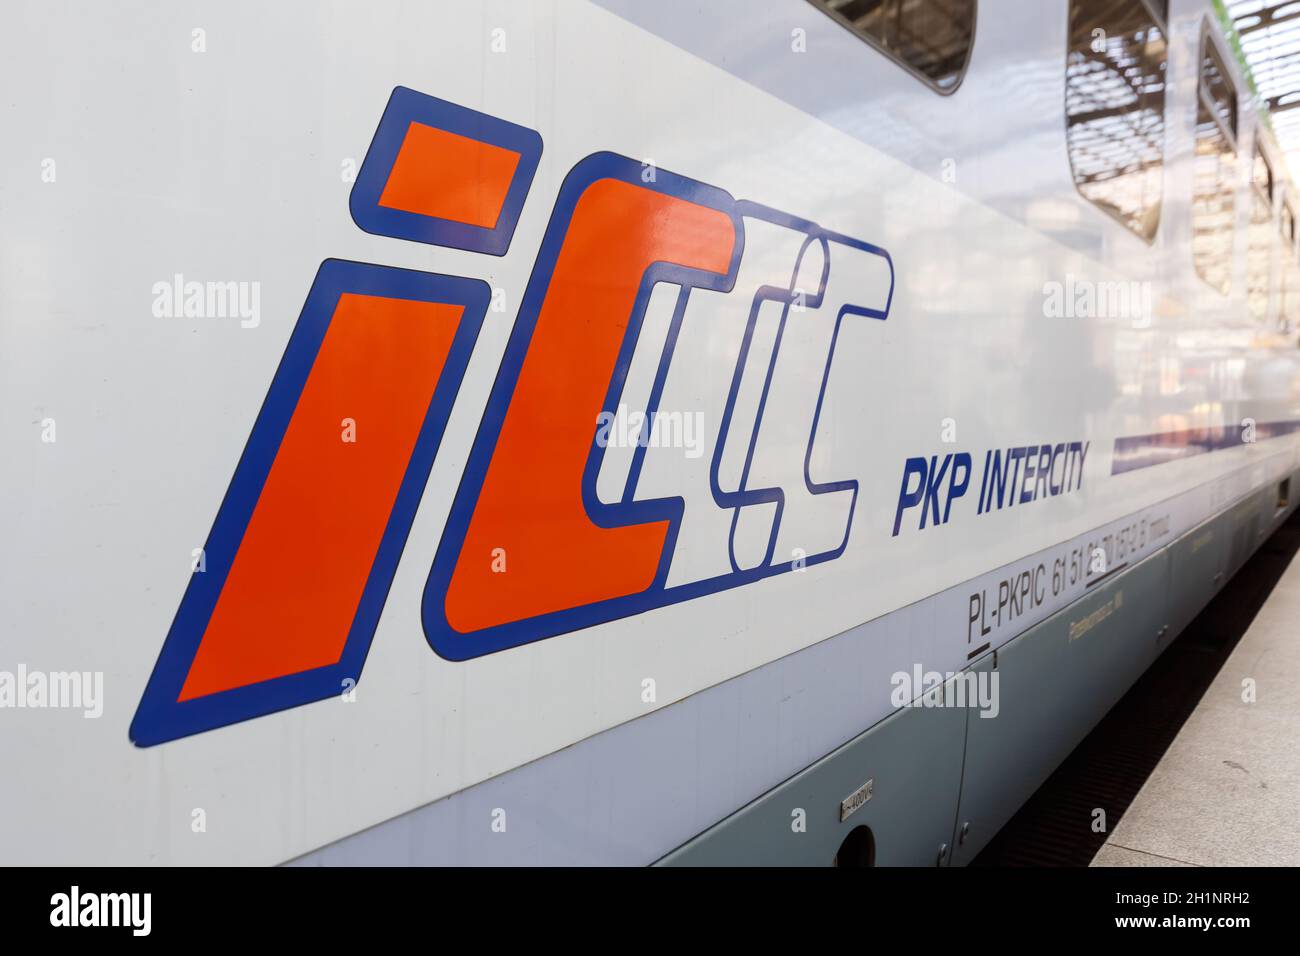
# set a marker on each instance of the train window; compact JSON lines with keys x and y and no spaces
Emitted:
{"x":1260,"y":237}
{"x":1213,"y":170}
{"x":930,"y":38}
{"x":1115,"y":108}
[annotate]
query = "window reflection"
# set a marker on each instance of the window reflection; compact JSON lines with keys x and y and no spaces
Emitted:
{"x":1115,"y":109}
{"x":932,"y":38}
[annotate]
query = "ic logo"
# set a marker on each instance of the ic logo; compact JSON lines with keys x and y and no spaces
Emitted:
{"x":734,"y":308}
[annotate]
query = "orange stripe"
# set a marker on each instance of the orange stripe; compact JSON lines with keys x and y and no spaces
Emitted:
{"x":449,"y":176}
{"x":293,"y":589}
{"x":531,"y":502}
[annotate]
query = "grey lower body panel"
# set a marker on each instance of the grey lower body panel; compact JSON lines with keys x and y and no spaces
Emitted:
{"x":913,"y":764}
{"x":942,"y":787}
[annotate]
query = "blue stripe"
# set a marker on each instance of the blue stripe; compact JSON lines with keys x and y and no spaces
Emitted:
{"x":1143,"y":451}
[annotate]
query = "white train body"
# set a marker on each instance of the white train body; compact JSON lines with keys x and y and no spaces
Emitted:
{"x":916,"y":396}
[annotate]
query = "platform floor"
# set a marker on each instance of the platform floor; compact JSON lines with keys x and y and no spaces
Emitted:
{"x":1227,"y":791}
